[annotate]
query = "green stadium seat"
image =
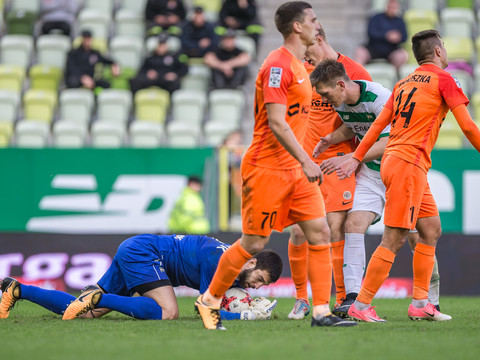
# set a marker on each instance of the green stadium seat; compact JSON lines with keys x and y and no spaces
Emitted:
{"x":469,"y":4}
{"x":216,"y":131}
{"x":96,"y":21}
{"x":127,"y":51}
{"x":32,"y":134}
{"x":406,"y":70}
{"x":20,"y":22}
{"x":39,"y":105}
{"x":475,"y":103}
{"x":226,"y":105}
{"x":146,"y":134}
{"x":9,"y":102}
{"x":135,"y":5}
{"x":76,"y":105}
{"x":419,"y":19}
{"x":183,"y":135}
{"x":107,"y":134}
{"x":152,"y":104}
{"x":114,"y":105}
{"x":68,"y":134}
{"x":197,"y":78}
{"x":26,"y":5}
{"x":16,"y":50}
{"x":247,"y":44}
{"x":459,"y":48}
{"x":52,"y":50}
{"x":383,"y":73}
{"x":188,"y":106}
{"x":6,"y":131}
{"x":457,"y":22}
{"x":129,"y":23}
{"x":104,"y":6}
{"x":11,"y":77}
{"x":450,"y":135}
{"x":45,"y":77}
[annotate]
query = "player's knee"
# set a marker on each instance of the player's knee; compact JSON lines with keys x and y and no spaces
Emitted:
{"x":169,"y":314}
{"x":297,"y":235}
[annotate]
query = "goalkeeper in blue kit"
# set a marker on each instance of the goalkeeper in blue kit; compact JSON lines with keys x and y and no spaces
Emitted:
{"x":151,"y":265}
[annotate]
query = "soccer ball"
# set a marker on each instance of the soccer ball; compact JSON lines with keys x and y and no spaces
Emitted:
{"x":236,"y":300}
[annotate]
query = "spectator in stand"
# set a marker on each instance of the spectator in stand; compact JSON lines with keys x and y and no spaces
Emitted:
{"x":81,"y":63}
{"x":58,"y":15}
{"x":198,"y":36}
{"x":241,"y":15}
{"x":164,"y":15}
{"x":229,"y":64}
{"x":386,"y":33}
{"x":163,"y":69}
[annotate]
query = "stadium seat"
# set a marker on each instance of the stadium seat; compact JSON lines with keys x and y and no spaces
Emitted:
{"x":457,"y":22}
{"x":417,"y":20}
{"x":76,"y":105}
{"x":152,"y":104}
{"x":136,"y":5}
{"x":96,"y":21}
{"x":188,"y":106}
{"x":26,"y":5}
{"x":127,"y":52}
{"x":184,"y":135}
{"x":16,"y":50}
{"x":450,"y":135}
{"x":247,"y":44}
{"x":107,"y":134}
{"x":226,"y":105}
{"x":104,"y":6}
{"x":45,"y":77}
{"x":406,"y":70}
{"x":114,"y":105}
{"x":20,"y":22}
{"x":469,"y":4}
{"x":464,"y":78}
{"x":197,"y":78}
{"x":9,"y":102}
{"x":39,"y":105}
{"x":423,"y":5}
{"x":6,"y":131}
{"x":129,"y":23}
{"x":52,"y":50}
{"x":383,"y":73}
{"x":174,"y":44}
{"x":216,"y":131}
{"x":68,"y":134}
{"x":459,"y":48}
{"x":11,"y":77}
{"x":32,"y":134}
{"x":475,"y":103}
{"x":146,"y":134}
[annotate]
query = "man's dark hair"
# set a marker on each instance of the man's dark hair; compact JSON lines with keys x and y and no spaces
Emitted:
{"x":288,"y":13}
{"x":327,"y":72}
{"x":270,"y":261}
{"x":194,"y":179}
{"x":423,"y":44}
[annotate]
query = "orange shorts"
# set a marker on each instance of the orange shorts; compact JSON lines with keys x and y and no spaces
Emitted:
{"x":273,"y":199}
{"x":408,"y":195}
{"x":337,"y":194}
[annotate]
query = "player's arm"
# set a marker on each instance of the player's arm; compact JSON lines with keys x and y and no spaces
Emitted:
{"x":286,"y":137}
{"x":347,"y":168}
{"x":467,"y":125}
{"x":342,"y":133}
{"x":377,"y":150}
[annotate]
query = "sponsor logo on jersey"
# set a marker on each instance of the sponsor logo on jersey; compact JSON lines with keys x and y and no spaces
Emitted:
{"x":275,"y":77}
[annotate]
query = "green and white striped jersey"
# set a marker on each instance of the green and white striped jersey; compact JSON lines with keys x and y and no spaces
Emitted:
{"x":360,"y":116}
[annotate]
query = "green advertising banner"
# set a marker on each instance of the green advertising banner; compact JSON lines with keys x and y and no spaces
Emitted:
{"x":94,"y":190}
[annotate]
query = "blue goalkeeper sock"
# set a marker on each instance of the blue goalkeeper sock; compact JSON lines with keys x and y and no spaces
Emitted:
{"x":227,"y":315}
{"x":140,"y":307}
{"x":53,"y":300}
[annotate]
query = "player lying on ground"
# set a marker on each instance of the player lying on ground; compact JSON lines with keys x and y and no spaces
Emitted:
{"x":151,"y":265}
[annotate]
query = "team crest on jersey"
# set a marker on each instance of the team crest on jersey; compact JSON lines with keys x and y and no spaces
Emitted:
{"x":456,"y":81}
{"x":347,"y":195}
{"x":275,"y":77}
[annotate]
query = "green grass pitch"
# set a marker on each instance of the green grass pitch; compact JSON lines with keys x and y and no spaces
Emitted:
{"x":31,"y":332}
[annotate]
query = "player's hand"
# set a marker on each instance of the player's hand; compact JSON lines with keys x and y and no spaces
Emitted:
{"x":347,"y":168}
{"x":329,"y":166}
{"x":312,"y":171}
{"x":322,"y":145}
{"x":261,"y":308}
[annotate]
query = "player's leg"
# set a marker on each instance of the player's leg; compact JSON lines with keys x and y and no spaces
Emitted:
{"x":52,"y":300}
{"x":434,"y":290}
{"x":336,"y":223}
{"x":297,"y":257}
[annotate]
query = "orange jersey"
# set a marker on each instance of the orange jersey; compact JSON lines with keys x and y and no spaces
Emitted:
{"x":324,"y":119}
{"x":282,"y":79}
{"x":419,"y":104}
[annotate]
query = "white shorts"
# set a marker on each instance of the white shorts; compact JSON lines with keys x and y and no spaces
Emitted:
{"x":369,"y":192}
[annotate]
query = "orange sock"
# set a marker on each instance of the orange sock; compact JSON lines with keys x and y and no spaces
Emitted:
{"x":228,"y":268}
{"x":320,"y":273}
{"x":337,"y":267}
{"x":377,"y":271}
{"x":423,"y":261}
{"x":297,"y":256}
